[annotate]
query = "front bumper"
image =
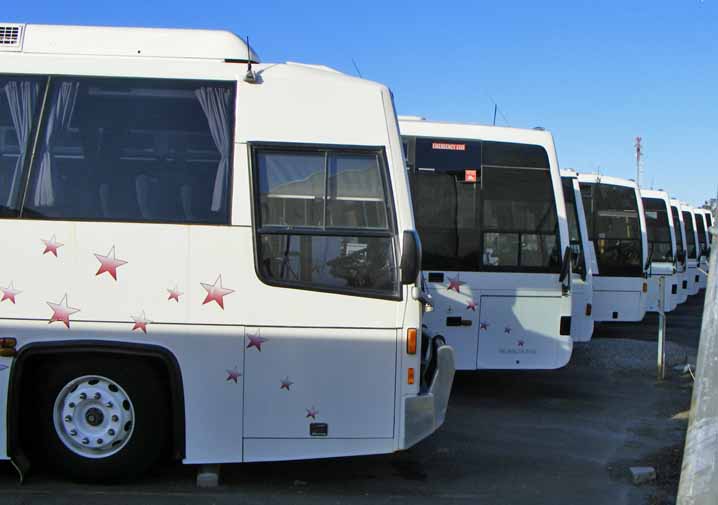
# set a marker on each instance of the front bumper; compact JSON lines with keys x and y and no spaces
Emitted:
{"x":425,"y":413}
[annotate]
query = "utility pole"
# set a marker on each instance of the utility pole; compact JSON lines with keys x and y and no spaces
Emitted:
{"x":699,"y":475}
{"x":639,"y":155}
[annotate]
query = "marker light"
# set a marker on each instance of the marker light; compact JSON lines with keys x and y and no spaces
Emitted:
{"x":410,"y":376}
{"x":411,"y":341}
{"x":645,"y":287}
{"x":589,"y":309}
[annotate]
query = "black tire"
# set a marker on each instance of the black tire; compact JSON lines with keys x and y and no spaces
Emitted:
{"x":149,"y":397}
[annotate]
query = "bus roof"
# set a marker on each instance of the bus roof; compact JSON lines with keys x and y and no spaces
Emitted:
{"x":425,"y":128}
{"x":119,"y":41}
{"x":606,"y":179}
{"x":655,"y":193}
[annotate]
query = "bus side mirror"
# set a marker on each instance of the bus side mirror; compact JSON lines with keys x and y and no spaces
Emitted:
{"x":565,"y":265}
{"x":681,"y":256}
{"x":410,"y":257}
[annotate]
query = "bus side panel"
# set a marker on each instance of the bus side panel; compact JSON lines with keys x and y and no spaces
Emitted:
{"x":5,"y":364}
{"x":581,"y":299}
{"x":343,"y":379}
{"x":618,"y":299}
{"x":515,"y":333}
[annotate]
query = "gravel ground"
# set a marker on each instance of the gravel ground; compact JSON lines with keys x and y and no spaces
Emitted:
{"x":628,"y":355}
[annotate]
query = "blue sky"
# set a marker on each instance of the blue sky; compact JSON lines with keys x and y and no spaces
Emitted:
{"x":595,"y":73}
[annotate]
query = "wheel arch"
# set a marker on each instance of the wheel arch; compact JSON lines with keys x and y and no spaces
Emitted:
{"x":156,"y":353}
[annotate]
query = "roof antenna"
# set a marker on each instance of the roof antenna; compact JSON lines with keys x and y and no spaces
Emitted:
{"x":356,"y":67}
{"x":250,"y":76}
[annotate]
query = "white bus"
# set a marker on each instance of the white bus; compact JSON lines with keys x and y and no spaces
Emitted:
{"x":693,"y":249}
{"x":582,"y":275}
{"x":201,"y":258}
{"x":489,"y":210}
{"x":703,"y":244}
{"x":660,"y":232}
{"x":617,"y":229}
{"x":681,"y":250}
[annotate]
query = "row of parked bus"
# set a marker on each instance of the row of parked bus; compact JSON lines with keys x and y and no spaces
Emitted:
{"x":522,"y":258}
{"x":215,"y":260}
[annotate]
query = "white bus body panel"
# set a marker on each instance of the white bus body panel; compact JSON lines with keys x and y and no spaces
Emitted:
{"x":662,"y":269}
{"x":348,"y":368}
{"x":529,"y":305}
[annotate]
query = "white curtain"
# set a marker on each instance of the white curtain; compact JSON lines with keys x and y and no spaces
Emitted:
{"x":216,"y":103}
{"x":58,"y":121}
{"x":22,"y":98}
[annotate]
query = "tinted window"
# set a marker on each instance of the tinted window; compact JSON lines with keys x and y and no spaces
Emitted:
{"x":614,"y":227}
{"x":20,"y":98}
{"x":658,"y":229}
{"x":473,"y":213}
{"x":324,"y":220}
{"x":677,"y":225}
{"x":690,"y":234}
{"x":150,"y":150}
{"x":574,"y":230}
{"x":701,"y":229}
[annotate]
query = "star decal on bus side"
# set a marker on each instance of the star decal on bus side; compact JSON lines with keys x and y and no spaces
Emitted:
{"x":471,"y":305}
{"x":51,"y":246}
{"x":256,"y":341}
{"x":507,"y":330}
{"x":233,"y":375}
{"x":455,"y":284}
{"x":483,"y":326}
{"x":520,"y":343}
{"x":216,"y":292}
{"x":174,"y":294}
{"x":61,"y":312}
{"x":9,"y":293}
{"x":141,"y":322}
{"x":286,"y":384}
{"x":312,"y":413}
{"x":109,"y":264}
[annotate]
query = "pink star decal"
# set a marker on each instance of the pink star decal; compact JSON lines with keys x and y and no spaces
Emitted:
{"x":313,"y":413}
{"x":520,"y":343}
{"x":141,"y":322}
{"x":471,"y":305}
{"x":9,"y":293}
{"x":255,"y":341}
{"x":233,"y":375}
{"x":507,"y":330}
{"x":109,"y":264}
{"x":286,"y":384}
{"x":455,"y":284}
{"x":174,"y":294}
{"x":51,"y":246}
{"x":61,"y":312}
{"x":483,"y":326}
{"x":216,"y":292}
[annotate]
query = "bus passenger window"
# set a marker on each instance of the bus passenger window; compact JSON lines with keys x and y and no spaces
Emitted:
{"x":138,"y":150}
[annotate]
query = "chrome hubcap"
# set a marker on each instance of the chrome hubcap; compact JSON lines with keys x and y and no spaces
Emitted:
{"x":93,"y":416}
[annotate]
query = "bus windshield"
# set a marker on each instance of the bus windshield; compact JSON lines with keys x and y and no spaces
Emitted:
{"x":701,"y":229}
{"x":574,"y":231}
{"x":484,"y":206}
{"x":658,"y":229}
{"x":679,"y":235}
{"x":614,"y":227}
{"x":690,"y":234}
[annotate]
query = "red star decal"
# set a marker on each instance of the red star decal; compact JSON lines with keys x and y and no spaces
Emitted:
{"x":9,"y":293}
{"x":313,"y":413}
{"x":174,"y":294}
{"x":286,"y":384}
{"x":61,"y":312}
{"x":455,"y":284}
{"x":215,"y":292}
{"x":51,"y":246}
{"x":507,"y":330}
{"x":520,"y":343}
{"x":483,"y":326}
{"x":471,"y":305}
{"x":141,"y":322}
{"x":233,"y":375}
{"x":109,"y":264}
{"x":255,"y":341}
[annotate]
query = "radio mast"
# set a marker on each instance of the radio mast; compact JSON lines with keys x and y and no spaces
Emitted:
{"x":639,"y":155}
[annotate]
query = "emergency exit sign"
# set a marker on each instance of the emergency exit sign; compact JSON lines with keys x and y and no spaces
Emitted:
{"x":448,"y":147}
